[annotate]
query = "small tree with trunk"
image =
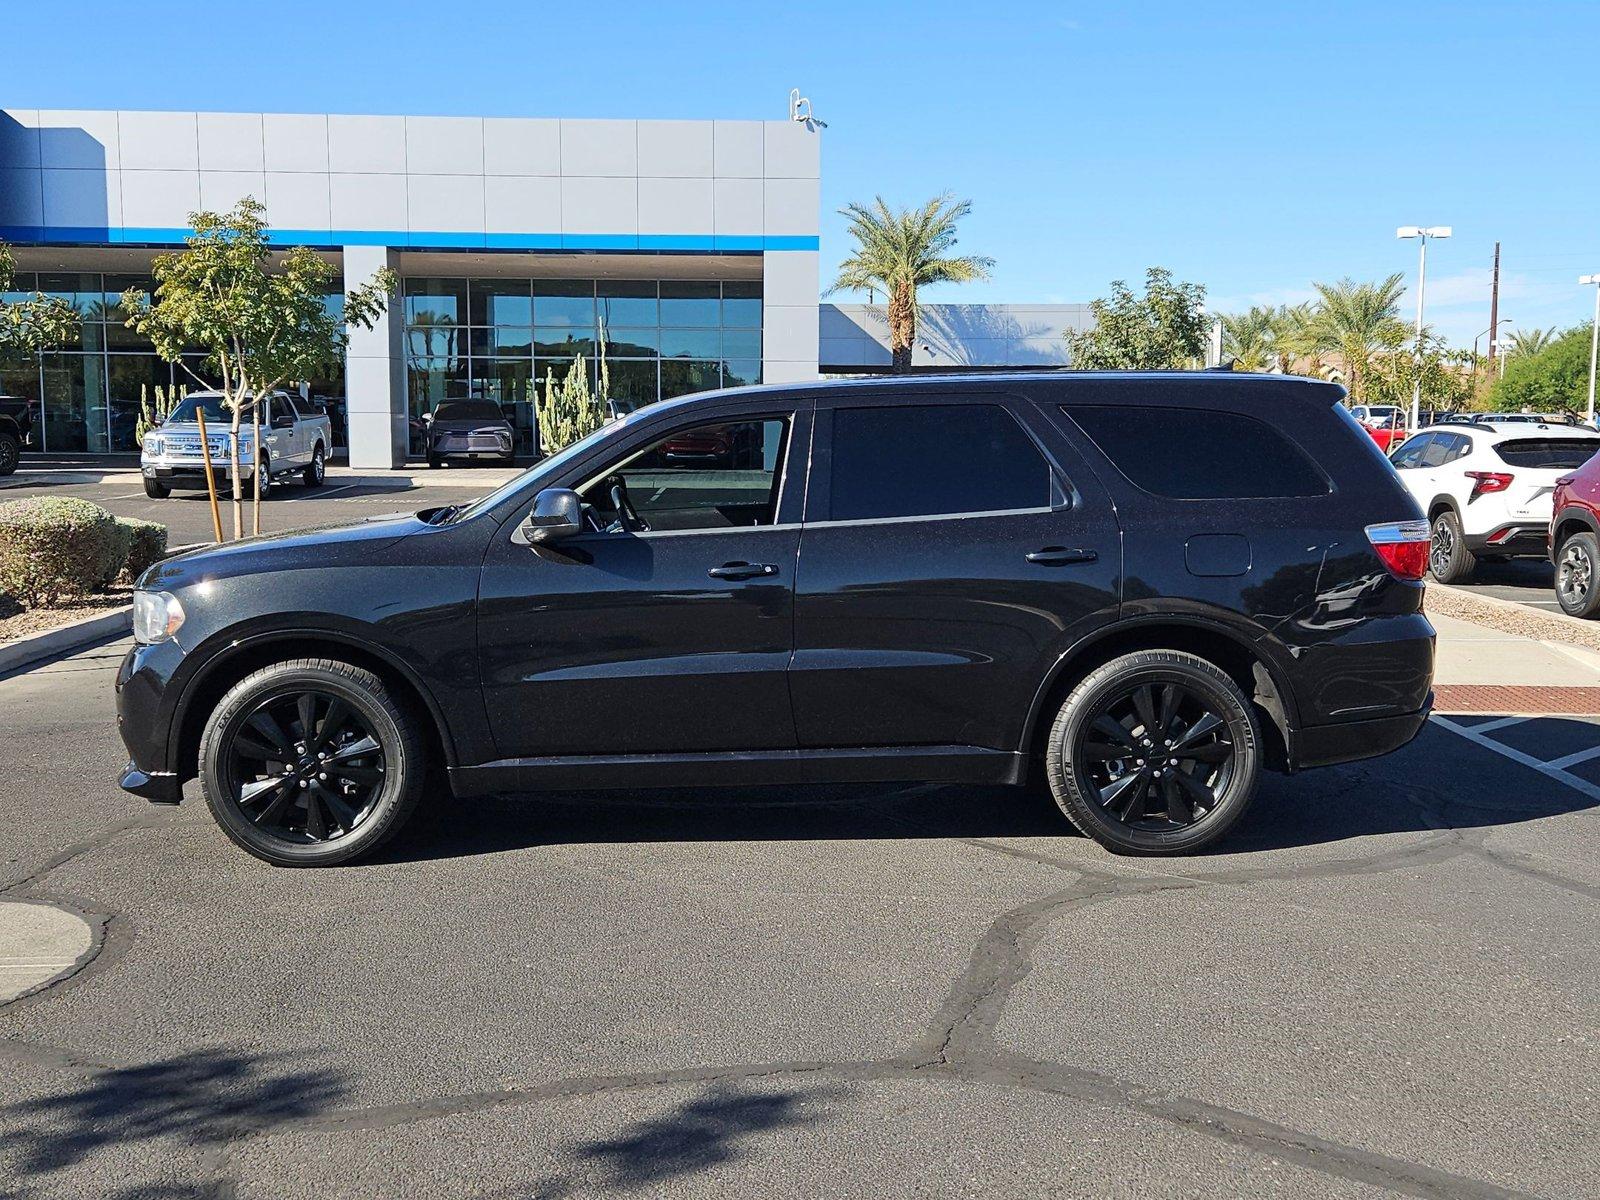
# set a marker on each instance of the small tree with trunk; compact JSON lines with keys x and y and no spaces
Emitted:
{"x":1165,"y":329}
{"x":260,"y":316}
{"x":899,"y":251}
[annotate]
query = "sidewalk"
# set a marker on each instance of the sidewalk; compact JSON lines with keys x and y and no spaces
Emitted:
{"x":412,"y":475}
{"x":1481,"y":669}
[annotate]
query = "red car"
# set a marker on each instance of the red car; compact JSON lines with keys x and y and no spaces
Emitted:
{"x":1575,"y":539}
{"x":1388,"y":432}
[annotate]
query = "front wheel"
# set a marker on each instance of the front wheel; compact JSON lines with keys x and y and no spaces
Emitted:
{"x":311,"y":762}
{"x":1449,"y":560}
{"x":317,"y":470}
{"x":266,"y":477}
{"x":10,"y":452}
{"x":156,"y":491}
{"x":1156,"y":752}
{"x":1577,"y":587}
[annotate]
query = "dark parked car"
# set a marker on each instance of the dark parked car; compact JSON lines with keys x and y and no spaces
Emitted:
{"x":16,"y":421}
{"x":469,"y":429}
{"x":1139,"y":589}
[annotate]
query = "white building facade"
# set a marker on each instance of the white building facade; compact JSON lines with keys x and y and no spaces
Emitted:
{"x":684,"y":251}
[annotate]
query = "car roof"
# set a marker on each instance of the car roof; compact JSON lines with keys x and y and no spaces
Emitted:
{"x":1505,"y":430}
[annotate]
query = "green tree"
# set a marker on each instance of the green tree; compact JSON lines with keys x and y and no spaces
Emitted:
{"x":1250,"y":338}
{"x":31,"y":325}
{"x":260,"y":316}
{"x":1554,"y":379}
{"x":1530,"y":341}
{"x":1163,"y":329}
{"x":1357,"y":321}
{"x":1447,"y":380}
{"x":899,"y":251}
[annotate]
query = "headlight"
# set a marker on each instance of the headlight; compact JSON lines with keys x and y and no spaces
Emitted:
{"x":156,"y":617}
{"x":152,"y":443}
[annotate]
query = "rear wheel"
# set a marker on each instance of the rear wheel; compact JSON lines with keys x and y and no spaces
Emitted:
{"x":318,"y":468}
{"x":156,"y":491}
{"x":1156,"y":752}
{"x":1449,"y":560}
{"x":1577,"y":568}
{"x":311,"y":762}
{"x":10,"y":452}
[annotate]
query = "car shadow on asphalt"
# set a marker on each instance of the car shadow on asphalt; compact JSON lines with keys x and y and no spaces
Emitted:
{"x":1440,"y":780}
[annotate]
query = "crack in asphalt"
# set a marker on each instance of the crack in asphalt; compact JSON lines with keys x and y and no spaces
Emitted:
{"x":960,"y":1044}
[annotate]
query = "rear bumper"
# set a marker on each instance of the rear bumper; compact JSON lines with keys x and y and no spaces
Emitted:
{"x":1530,"y":538}
{"x":1348,"y":741}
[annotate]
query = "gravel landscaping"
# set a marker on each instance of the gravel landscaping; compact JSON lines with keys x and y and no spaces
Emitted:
{"x":1512,"y":618}
{"x":17,"y":622}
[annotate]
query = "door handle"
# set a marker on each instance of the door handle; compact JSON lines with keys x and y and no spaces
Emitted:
{"x":1054,"y":556}
{"x":742,"y":570}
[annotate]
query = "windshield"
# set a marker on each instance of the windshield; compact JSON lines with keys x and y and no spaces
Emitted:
{"x":468,"y":410}
{"x":1548,"y":454}
{"x":216,"y":414}
{"x":545,"y":468}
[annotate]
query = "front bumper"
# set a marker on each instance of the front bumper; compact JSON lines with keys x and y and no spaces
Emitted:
{"x":145,"y":716}
{"x":158,"y":787}
{"x":180,"y":475}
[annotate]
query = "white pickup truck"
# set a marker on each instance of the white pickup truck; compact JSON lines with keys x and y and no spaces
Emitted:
{"x":296,"y":436}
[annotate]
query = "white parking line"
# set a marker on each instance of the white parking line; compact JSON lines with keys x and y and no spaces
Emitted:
{"x":321,"y":493}
{"x":1571,"y":760}
{"x":1499,"y":723}
{"x":1551,"y":769}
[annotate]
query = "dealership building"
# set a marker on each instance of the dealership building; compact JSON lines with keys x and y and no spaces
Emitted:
{"x":685,"y":253}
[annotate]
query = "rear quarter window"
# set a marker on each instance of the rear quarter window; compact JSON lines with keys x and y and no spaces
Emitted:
{"x":1555,"y":454}
{"x":1199,"y":454}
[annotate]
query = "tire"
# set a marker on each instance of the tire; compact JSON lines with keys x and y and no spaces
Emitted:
{"x":156,"y":491}
{"x":313,"y":816}
{"x":1578,"y":575}
{"x":1449,"y":560}
{"x":10,"y":452}
{"x":266,"y":477}
{"x":317,"y":471}
{"x":433,"y":462}
{"x":1202,"y":787}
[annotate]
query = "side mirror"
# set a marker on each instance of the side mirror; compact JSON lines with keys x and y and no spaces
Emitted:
{"x":283,"y":422}
{"x":557,"y":513}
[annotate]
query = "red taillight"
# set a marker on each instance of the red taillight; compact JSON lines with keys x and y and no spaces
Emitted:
{"x":1403,"y":547}
{"x":1488,"y":481}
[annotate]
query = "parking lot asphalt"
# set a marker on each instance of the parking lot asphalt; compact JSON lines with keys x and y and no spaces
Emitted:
{"x":345,"y":496}
{"x":1529,"y":581}
{"x":1381,"y":984}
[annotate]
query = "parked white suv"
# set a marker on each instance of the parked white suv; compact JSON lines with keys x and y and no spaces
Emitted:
{"x":296,"y":434}
{"x":1487,"y":487}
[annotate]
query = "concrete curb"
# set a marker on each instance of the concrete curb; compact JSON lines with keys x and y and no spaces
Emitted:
{"x":39,"y":943}
{"x":1590,"y":628}
{"x":24,"y":652}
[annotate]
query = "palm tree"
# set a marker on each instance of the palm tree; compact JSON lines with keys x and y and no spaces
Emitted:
{"x":1358,"y":320}
{"x":900,"y":250}
{"x":1530,"y":341}
{"x":1248,"y":338}
{"x":1294,"y":339}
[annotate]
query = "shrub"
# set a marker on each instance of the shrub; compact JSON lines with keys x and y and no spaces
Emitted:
{"x":149,"y":546}
{"x":56,"y":546}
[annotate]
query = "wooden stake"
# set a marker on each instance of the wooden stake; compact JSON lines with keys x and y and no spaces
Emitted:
{"x":255,"y":477}
{"x":211,"y":481}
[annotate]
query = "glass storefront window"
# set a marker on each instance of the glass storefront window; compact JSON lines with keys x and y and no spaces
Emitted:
{"x":22,"y":379}
{"x":741,"y":343}
{"x":628,"y":303}
{"x":680,"y":377}
{"x":563,"y":343}
{"x":691,"y":343}
{"x":741,"y":372}
{"x":74,"y":403}
{"x":564,"y":303}
{"x":633,"y":343}
{"x":131,"y":378}
{"x":741,"y":305}
{"x":499,"y":302}
{"x":694,"y":305}
{"x":23,"y":286}
{"x":501,"y":342}
{"x":428,"y":340}
{"x":436,"y":301}
{"x":633,"y":381}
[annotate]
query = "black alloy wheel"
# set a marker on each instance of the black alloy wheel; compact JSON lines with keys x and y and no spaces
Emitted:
{"x":10,"y":452}
{"x":1156,"y":752}
{"x":305,"y":767}
{"x":1577,"y":587}
{"x":311,"y":762}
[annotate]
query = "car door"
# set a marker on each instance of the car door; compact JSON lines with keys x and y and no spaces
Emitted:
{"x":952,"y":546}
{"x":669,"y":639}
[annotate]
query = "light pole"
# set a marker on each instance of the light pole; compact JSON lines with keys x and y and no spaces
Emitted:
{"x":1423,"y":232}
{"x":1494,"y":349}
{"x":1594,"y":340}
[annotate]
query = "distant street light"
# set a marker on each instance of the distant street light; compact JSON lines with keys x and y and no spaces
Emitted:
{"x":1423,"y":232}
{"x":1493,"y":342}
{"x":1594,"y":339}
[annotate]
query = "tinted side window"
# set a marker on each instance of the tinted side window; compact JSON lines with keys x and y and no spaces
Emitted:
{"x":1559,"y":454}
{"x":1438,"y":451}
{"x":930,"y":460}
{"x":1197,"y":454}
{"x":1410,"y":454}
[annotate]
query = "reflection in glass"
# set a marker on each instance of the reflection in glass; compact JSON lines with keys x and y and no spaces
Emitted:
{"x":500,"y":302}
{"x":632,"y":343}
{"x":427,"y":340}
{"x":564,"y":302}
{"x":691,"y":343}
{"x":633,"y":380}
{"x":130,"y":377}
{"x":691,"y":304}
{"x":624,"y":302}
{"x":680,"y":377}
{"x":74,"y":402}
{"x":563,"y":343}
{"x":741,"y":372}
{"x":741,"y":343}
{"x":436,"y":301}
{"x":741,"y":305}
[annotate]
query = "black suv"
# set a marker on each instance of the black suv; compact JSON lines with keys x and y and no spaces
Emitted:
{"x":1138,"y":589}
{"x":16,"y":421}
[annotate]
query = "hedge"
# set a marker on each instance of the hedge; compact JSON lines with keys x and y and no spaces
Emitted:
{"x":57,"y":547}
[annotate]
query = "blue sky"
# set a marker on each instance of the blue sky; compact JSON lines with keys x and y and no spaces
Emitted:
{"x":1249,"y":147}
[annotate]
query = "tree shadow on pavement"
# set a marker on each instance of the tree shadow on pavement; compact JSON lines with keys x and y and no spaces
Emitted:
{"x":1440,"y":780}
{"x":201,"y":1099}
{"x":698,"y":1134}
